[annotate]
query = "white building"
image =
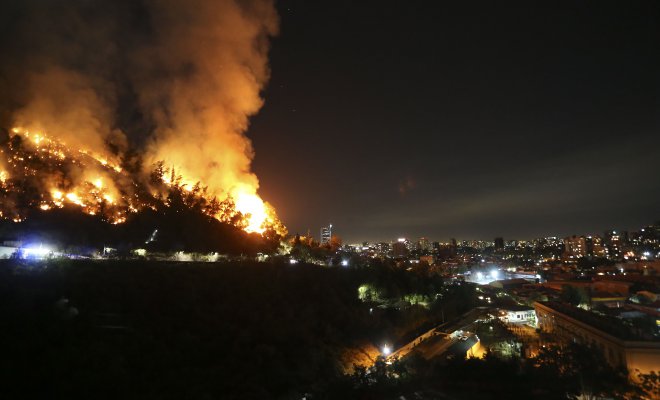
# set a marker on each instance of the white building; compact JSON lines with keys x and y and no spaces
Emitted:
{"x":518,"y":315}
{"x":7,"y":251}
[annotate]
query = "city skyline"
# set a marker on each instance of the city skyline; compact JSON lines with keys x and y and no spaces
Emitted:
{"x":471,"y":120}
{"x":447,"y":239}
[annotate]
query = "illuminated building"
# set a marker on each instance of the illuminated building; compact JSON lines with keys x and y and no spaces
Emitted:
{"x":499,"y":243}
{"x":596,"y":247}
{"x":326,"y":234}
{"x":8,"y":251}
{"x":615,"y":240}
{"x":518,"y":315}
{"x":424,"y":244}
{"x":575,"y":246}
{"x":383,"y":248}
{"x":410,"y":245}
{"x":620,"y":346}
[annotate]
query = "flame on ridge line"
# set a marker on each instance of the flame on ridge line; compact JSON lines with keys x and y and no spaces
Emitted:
{"x":256,"y":212}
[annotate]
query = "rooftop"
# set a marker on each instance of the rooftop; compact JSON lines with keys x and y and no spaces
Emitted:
{"x":609,"y":325}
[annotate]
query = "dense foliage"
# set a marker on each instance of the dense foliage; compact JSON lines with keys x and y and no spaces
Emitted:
{"x":149,"y":330}
{"x":567,"y":372}
{"x":184,"y":330}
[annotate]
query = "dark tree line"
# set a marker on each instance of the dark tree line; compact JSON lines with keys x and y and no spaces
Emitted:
{"x":187,"y":217}
{"x":181,"y":219}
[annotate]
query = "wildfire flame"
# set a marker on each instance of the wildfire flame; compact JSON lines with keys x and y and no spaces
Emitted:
{"x":97,"y":191}
{"x":254,"y":209}
{"x":195,"y":79}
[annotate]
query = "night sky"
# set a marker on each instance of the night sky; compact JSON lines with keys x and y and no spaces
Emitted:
{"x":464,"y":119}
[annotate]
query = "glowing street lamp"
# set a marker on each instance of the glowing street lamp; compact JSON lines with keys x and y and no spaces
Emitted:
{"x":386,"y":351}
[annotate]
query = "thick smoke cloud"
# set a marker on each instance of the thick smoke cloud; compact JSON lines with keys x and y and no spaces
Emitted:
{"x":168,"y":80}
{"x":214,"y":58}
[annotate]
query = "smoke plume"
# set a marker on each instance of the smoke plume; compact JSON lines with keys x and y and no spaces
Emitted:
{"x":133,"y":83}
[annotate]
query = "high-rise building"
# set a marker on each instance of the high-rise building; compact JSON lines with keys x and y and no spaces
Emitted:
{"x":596,"y":247}
{"x":499,"y":243}
{"x":424,"y":244}
{"x":382,"y":249}
{"x":326,"y":234}
{"x":575,"y":246}
{"x":615,"y":240}
{"x":649,"y":235}
{"x":409,"y":244}
{"x":399,"y":248}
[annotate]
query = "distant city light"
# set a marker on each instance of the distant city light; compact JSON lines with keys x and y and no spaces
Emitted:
{"x":140,"y":252}
{"x":344,"y":263}
{"x":494,"y":274}
{"x":386,"y":350}
{"x":293,"y":261}
{"x":480,"y":275}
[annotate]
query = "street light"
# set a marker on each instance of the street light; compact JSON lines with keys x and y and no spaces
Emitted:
{"x":386,"y":350}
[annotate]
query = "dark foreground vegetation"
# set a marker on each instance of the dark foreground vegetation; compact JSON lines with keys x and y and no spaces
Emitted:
{"x":156,"y":330}
{"x":558,"y":372}
{"x":139,"y":329}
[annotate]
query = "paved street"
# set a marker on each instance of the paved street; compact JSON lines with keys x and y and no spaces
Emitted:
{"x":438,"y":340}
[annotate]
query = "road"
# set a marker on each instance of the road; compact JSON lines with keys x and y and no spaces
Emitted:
{"x":436,"y":341}
{"x":434,"y":348}
{"x":407,"y":348}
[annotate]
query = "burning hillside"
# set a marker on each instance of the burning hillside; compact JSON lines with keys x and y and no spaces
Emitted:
{"x":155,"y":102}
{"x":39,"y":172}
